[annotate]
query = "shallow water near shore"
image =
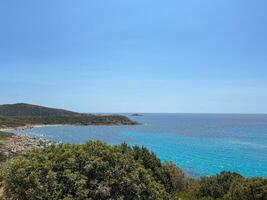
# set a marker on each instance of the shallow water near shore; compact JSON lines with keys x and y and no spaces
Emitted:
{"x":201,"y":144}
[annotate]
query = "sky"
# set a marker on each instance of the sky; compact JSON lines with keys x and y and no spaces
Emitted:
{"x":135,"y":56}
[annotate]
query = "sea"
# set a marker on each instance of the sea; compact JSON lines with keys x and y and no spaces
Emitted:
{"x":200,"y":144}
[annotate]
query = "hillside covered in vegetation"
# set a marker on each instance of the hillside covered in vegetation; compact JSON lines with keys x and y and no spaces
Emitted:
{"x":99,"y":171}
{"x":16,"y":115}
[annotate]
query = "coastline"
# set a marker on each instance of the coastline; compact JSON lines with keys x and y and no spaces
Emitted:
{"x":30,"y":126}
{"x":12,"y":129}
{"x":20,"y":144}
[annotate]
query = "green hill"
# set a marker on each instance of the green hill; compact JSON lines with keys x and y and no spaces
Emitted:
{"x":29,"y":110}
{"x":21,"y":114}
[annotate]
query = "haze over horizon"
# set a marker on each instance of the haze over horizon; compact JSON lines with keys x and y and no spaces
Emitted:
{"x":139,"y":56}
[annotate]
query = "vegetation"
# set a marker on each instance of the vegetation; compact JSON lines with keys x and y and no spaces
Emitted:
{"x":23,"y":109}
{"x":80,"y":120}
{"x":242,"y":189}
{"x":99,"y":171}
{"x":5,"y":135}
{"x":217,"y":186}
{"x":90,"y":171}
{"x":21,"y":114}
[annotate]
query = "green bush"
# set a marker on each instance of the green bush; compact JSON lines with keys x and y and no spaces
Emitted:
{"x":248,"y":189}
{"x":172,"y":177}
{"x":90,"y":171}
{"x":217,"y":186}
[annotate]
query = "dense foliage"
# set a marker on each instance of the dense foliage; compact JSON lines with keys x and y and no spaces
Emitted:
{"x":243,"y":189}
{"x":217,"y":186}
{"x":98,"y":171}
{"x":80,"y":120}
{"x":90,"y":171}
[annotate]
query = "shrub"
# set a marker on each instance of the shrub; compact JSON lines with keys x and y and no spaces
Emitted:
{"x":90,"y":171}
{"x":248,"y":189}
{"x":217,"y":186}
{"x":174,"y":178}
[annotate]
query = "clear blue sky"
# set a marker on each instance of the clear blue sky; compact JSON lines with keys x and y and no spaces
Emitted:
{"x":135,"y":56}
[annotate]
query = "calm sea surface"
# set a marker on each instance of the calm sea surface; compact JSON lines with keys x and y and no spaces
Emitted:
{"x":201,"y":144}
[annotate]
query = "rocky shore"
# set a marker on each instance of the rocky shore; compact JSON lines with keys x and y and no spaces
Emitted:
{"x":20,"y":144}
{"x":28,"y":126}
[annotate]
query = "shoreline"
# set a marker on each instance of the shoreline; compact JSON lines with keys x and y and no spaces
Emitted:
{"x":31,"y":126}
{"x":12,"y":129}
{"x":20,"y":143}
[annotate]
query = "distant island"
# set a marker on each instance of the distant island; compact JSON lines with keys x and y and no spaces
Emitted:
{"x":27,"y":115}
{"x":136,"y":115}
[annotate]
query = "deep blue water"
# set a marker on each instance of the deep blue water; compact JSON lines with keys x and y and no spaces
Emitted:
{"x":201,"y":144}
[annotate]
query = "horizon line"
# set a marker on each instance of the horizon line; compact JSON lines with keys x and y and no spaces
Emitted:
{"x":202,"y":113}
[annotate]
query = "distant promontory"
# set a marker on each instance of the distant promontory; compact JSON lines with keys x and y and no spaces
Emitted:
{"x":22,"y":114}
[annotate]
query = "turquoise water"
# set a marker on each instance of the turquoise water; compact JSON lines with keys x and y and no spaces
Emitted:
{"x":201,"y":144}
